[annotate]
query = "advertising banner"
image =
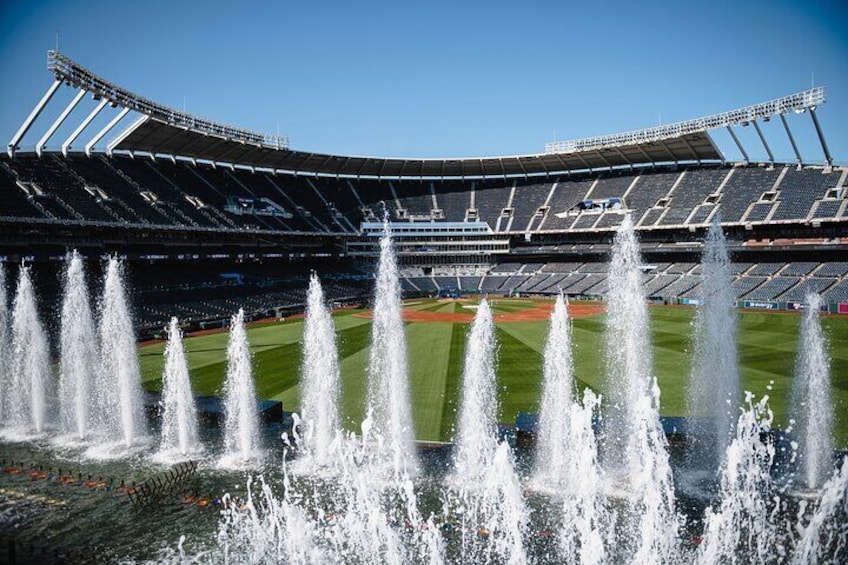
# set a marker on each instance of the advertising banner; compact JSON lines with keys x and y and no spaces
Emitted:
{"x":761,"y":305}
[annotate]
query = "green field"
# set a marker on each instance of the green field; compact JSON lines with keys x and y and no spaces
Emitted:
{"x":767,"y":343}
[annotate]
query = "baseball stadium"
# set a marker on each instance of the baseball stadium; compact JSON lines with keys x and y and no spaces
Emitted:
{"x":189,"y":308}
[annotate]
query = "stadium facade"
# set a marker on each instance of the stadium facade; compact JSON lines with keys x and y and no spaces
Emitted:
{"x":212,"y":217}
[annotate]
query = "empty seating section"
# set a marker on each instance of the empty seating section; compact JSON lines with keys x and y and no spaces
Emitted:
{"x":678,"y":287}
{"x":507,"y":268}
{"x":69,"y":198}
{"x":799,"y":292}
{"x":838,"y":292}
{"x":490,"y":202}
{"x":566,"y":195}
{"x":692,"y":190}
{"x":827,"y":209}
{"x":585,"y":221}
{"x":765,"y":269}
{"x":744,"y":285}
{"x":454,"y":200}
{"x":13,"y":201}
{"x":561,"y":267}
{"x":525,"y":203}
{"x":701,"y":214}
{"x":647,"y":191}
{"x":835,"y":269}
{"x":799,"y":189}
{"x":680,"y":268}
{"x":611,"y":187}
{"x":415,"y":198}
{"x":425,"y":284}
{"x":651,"y":216}
{"x":772,"y":288}
{"x":759,"y":212}
{"x":746,"y":185}
{"x":492,"y":283}
{"x":799,"y":269}
{"x":610,"y":220}
{"x":469,"y":284}
{"x":658,"y":283}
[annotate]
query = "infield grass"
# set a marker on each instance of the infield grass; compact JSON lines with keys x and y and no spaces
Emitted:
{"x":767,"y":346}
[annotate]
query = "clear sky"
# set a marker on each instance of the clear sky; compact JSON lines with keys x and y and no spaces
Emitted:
{"x":442,"y":78}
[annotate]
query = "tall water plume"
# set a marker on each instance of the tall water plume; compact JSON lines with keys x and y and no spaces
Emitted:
{"x":79,"y":353}
{"x":477,"y":426}
{"x":743,"y":522}
{"x":389,"y":410}
{"x":566,"y":462}
{"x":553,"y":448}
{"x":30,"y":363}
{"x":179,"y":418}
{"x":241,"y":430}
{"x":320,"y":377}
{"x":486,"y":487}
{"x":713,"y":396}
{"x":5,"y":342}
{"x":634,"y":441}
{"x":119,"y":384}
{"x":812,"y":406}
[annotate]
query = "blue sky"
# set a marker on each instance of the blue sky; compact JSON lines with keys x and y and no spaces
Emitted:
{"x":442,"y":78}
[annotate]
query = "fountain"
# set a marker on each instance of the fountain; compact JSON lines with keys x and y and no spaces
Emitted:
{"x":824,"y":539}
{"x":179,"y":417}
{"x":389,"y":411}
{"x":320,"y":378}
{"x":241,"y":430}
{"x":743,"y":523}
{"x":714,"y":384}
{"x":5,"y":343}
{"x":812,"y":406}
{"x":486,"y":491}
{"x":118,"y":388}
{"x":78,"y":349}
{"x":635,"y":445}
{"x":26,"y":409}
{"x":566,"y":462}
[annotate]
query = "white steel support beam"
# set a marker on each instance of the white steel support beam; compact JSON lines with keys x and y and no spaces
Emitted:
{"x":42,"y":143}
{"x":22,"y":131}
{"x":794,"y":102}
{"x":739,"y":145}
{"x":791,"y":139}
{"x":84,"y":124}
{"x":102,"y":133}
{"x":126,"y":133}
{"x":763,"y":141}
{"x":822,"y":140}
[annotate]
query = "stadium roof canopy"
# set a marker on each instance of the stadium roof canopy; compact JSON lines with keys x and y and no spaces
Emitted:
{"x":161,"y":131}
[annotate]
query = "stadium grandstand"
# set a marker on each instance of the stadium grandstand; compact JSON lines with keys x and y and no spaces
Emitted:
{"x":211,"y":216}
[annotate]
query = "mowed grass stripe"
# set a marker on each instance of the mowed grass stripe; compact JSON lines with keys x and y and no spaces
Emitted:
{"x":519,"y":385}
{"x":453,"y":381}
{"x":429,"y":361}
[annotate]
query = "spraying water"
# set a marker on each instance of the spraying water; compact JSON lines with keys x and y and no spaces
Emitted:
{"x":320,"y":377}
{"x":811,"y":399}
{"x":119,"y":385}
{"x":179,"y":418}
{"x":5,"y":343}
{"x":241,"y":431}
{"x":487,"y":489}
{"x":635,"y":442}
{"x":714,"y":385}
{"x":825,"y":538}
{"x":566,"y":450}
{"x":30,"y":363}
{"x":477,"y":428}
{"x":78,"y":344}
{"x":389,"y":410}
{"x":553,"y":448}
{"x":743,"y":523}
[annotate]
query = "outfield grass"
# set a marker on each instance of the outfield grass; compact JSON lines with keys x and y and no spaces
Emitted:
{"x":767,"y":343}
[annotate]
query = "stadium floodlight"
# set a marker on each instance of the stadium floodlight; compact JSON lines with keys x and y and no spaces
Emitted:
{"x":798,"y":102}
{"x":77,"y":76}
